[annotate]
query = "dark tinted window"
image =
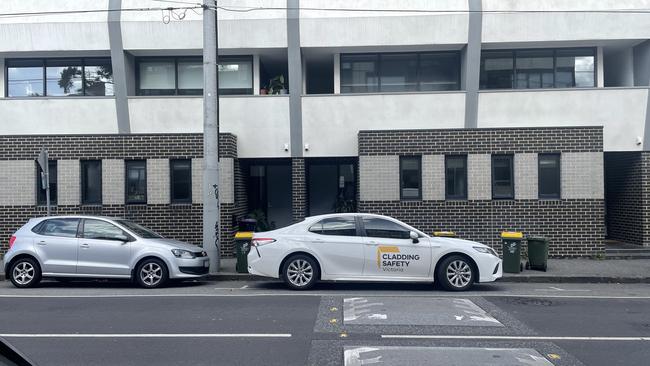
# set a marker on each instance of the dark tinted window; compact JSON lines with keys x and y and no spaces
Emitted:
{"x":136,"y":181}
{"x":40,"y":191}
{"x":545,"y":68}
{"x":503,"y":185}
{"x":410,"y":177}
{"x":344,"y":226}
{"x":381,"y":228}
{"x":98,"y":229}
{"x":59,"y":227}
{"x":139,"y":230}
{"x":549,"y":176}
{"x":91,"y":182}
{"x":400,"y":72}
{"x":181,"y":181}
{"x":456,"y":177}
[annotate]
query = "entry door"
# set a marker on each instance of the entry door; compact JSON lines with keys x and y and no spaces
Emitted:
{"x":339,"y":247}
{"x":390,"y":252}
{"x":278,"y":188}
{"x":102,"y":250}
{"x":57,"y":245}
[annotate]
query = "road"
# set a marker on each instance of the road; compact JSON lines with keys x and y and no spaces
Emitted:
{"x":261,"y":323}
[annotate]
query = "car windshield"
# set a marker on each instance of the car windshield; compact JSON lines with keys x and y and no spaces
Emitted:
{"x":140,"y":230}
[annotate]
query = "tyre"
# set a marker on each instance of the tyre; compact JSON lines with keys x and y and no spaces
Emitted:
{"x":456,"y":273}
{"x":25,"y":272}
{"x":300,"y":272}
{"x":151,"y":273}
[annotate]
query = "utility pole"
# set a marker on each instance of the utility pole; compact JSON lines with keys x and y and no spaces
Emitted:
{"x":211,"y":225}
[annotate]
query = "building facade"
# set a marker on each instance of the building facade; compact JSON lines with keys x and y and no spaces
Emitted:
{"x":474,"y":116}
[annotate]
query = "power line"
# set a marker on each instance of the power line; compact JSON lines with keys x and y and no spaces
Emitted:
{"x":65,"y":12}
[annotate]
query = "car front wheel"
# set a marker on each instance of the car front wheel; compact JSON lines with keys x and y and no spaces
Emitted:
{"x":300,"y":272}
{"x":25,"y":272}
{"x":151,"y":273}
{"x":455,"y":273}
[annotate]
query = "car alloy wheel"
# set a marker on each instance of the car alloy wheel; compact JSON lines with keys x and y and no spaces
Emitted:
{"x":455,"y":273}
{"x":25,"y":273}
{"x":152,"y":273}
{"x":459,"y":273}
{"x":300,"y":272}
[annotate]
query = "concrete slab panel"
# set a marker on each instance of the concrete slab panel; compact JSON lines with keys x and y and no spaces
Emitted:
{"x":443,"y":356}
{"x":415,"y":311}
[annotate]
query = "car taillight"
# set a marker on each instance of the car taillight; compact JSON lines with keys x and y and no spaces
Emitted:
{"x":258,"y":242}
{"x":11,"y":241}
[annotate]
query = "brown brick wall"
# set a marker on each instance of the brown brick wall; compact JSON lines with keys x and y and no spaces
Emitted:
{"x":574,"y":227}
{"x":480,"y":140}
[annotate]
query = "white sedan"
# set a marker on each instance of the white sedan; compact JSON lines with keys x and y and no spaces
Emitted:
{"x":365,"y":247}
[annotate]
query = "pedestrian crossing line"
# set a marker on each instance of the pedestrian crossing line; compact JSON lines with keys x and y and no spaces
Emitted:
{"x":515,"y":338}
{"x":146,"y":335}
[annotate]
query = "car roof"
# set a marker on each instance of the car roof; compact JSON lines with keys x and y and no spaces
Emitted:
{"x":344,"y":215}
{"x":80,"y":217}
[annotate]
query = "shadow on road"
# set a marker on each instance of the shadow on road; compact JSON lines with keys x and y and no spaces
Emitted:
{"x":373,"y":287}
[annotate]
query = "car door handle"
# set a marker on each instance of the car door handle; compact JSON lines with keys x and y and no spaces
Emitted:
{"x":84,"y":245}
{"x":317,"y":240}
{"x":42,"y":242}
{"x":372,"y":242}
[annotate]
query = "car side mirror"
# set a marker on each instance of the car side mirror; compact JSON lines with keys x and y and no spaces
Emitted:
{"x":414,"y":236}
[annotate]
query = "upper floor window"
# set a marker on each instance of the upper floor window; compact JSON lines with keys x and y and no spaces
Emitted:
{"x":184,"y":75}
{"x":400,"y":72}
{"x":534,"y":69}
{"x":59,"y":77}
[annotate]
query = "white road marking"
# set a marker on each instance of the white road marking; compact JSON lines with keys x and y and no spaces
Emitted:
{"x":150,"y":335}
{"x":338,"y":294}
{"x":514,"y":338}
{"x":243,"y":287}
{"x":552,"y":288}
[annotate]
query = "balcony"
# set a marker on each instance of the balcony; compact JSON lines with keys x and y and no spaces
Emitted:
{"x":621,"y":111}
{"x":332,"y":28}
{"x":58,"y":116}
{"x":331,"y":122}
{"x":261,"y":123}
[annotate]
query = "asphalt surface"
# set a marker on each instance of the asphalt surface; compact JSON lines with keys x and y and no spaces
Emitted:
{"x":259,"y":323}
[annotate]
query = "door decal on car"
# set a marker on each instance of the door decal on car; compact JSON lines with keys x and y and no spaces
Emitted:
{"x":389,"y":259}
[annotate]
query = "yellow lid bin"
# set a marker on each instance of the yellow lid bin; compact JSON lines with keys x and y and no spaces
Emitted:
{"x":244,"y":235}
{"x":446,"y":234}
{"x":512,"y":235}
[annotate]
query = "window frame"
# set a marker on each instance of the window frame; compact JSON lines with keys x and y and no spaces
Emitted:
{"x":83,"y":193}
{"x":510,"y":157}
{"x":38,"y":228}
{"x":401,"y":183}
{"x":197,"y":92}
{"x":85,"y":61}
{"x":53,"y":200}
{"x":358,"y":231}
{"x":463,"y":196}
{"x":82,"y":227}
{"x":171,"y":181}
{"x":557,"y":196}
{"x":364,"y":232}
{"x":515,"y":51}
{"x":128,"y":201}
{"x":418,"y":55}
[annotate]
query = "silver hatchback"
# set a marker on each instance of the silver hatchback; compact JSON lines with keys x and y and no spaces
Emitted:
{"x":98,"y":247}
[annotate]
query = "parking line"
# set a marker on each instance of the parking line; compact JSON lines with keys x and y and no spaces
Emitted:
{"x":515,"y":338}
{"x":149,"y":335}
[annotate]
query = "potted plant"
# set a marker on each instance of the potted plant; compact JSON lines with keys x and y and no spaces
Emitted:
{"x":277,"y":86}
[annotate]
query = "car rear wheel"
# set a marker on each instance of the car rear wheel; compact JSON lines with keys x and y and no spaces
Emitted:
{"x":25,"y":272}
{"x":300,"y":272}
{"x":151,"y":273}
{"x":455,"y":273}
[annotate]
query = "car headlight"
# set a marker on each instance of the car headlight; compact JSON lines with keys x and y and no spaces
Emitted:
{"x":182,"y":253}
{"x":486,"y":250}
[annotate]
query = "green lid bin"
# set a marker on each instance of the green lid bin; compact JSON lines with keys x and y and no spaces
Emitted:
{"x":537,"y":253}
{"x":243,"y":246}
{"x":512,"y":251}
